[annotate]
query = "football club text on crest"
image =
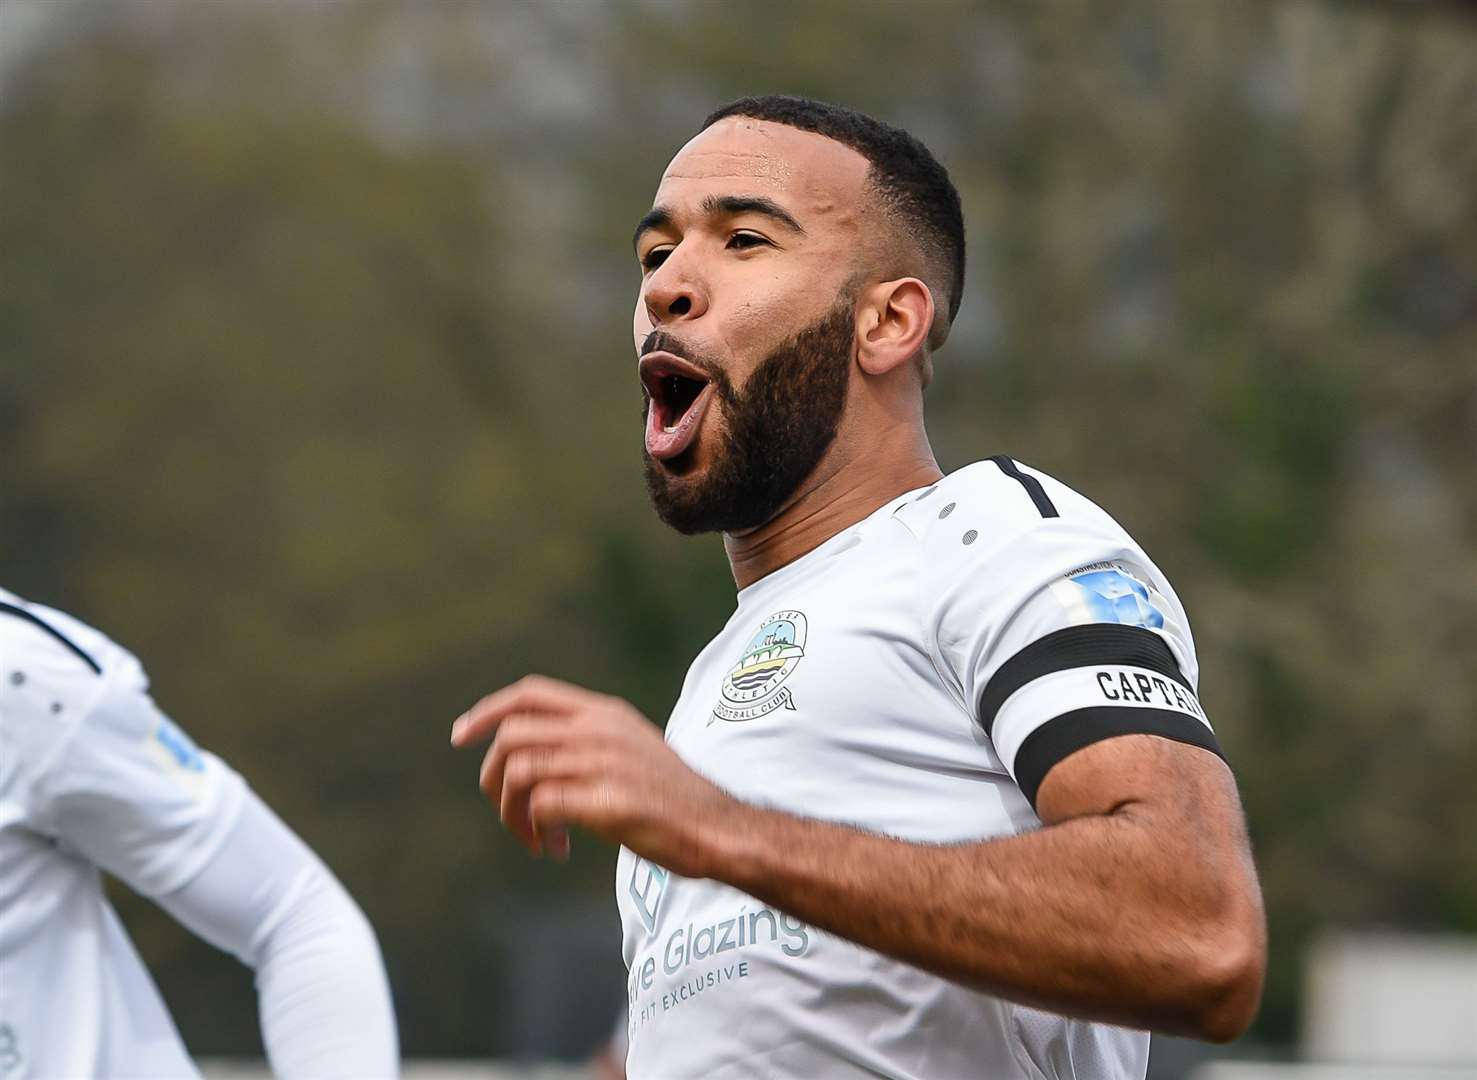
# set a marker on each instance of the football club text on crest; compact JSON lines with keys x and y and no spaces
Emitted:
{"x":752,"y":687}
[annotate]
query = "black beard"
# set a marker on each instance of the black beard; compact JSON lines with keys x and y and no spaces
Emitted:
{"x":778,"y":428}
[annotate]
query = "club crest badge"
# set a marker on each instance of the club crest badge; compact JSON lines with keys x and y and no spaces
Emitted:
{"x":752,"y":687}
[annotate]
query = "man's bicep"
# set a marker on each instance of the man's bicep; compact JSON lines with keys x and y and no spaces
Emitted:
{"x":1140,"y":773}
{"x":1176,"y":816}
{"x":1078,"y":686}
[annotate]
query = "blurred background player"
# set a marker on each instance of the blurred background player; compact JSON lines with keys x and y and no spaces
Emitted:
{"x":94,"y":777}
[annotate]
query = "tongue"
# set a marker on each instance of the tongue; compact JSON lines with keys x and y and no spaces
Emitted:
{"x":661,"y":443}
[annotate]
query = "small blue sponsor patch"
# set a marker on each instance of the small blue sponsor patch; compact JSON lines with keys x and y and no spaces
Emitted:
{"x":185,"y":752}
{"x":1115,"y":597}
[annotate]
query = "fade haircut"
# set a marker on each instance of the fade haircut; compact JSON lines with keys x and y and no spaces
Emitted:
{"x":913,"y":186}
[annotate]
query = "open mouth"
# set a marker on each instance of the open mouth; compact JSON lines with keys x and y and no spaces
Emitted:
{"x":678,"y":394}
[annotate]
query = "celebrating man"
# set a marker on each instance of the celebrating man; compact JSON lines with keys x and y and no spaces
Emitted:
{"x":940,"y":800}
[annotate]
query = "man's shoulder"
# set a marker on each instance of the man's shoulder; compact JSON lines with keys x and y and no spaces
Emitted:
{"x":43,"y":646}
{"x":997,"y":531}
{"x":30,"y":630}
{"x":81,"y":731}
{"x":994,"y":500}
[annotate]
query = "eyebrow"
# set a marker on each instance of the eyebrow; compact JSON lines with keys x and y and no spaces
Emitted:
{"x":659,"y":217}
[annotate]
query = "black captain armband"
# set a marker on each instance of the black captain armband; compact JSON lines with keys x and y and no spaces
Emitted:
{"x":1081,"y":685}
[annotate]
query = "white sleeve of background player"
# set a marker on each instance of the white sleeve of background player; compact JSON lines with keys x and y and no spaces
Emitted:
{"x":115,"y":780}
{"x":1058,"y":637}
{"x":323,"y":997}
{"x":87,"y":758}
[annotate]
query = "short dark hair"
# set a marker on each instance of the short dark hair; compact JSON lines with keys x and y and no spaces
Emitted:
{"x":910,"y":179}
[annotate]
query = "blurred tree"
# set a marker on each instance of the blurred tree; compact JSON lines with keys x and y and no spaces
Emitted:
{"x":315,"y":390}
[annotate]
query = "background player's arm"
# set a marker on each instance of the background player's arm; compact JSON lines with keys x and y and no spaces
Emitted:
{"x":1137,"y":903}
{"x":324,"y":1002}
{"x":130,"y":793}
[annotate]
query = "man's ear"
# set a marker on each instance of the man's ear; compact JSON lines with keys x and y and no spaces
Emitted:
{"x":894,"y":321}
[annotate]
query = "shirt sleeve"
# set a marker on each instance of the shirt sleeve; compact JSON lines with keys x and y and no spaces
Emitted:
{"x":324,"y":1000}
{"x":1060,"y":636}
{"x":116,"y":781}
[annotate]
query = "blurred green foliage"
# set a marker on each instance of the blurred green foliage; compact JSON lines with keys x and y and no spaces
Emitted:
{"x":316,"y":391}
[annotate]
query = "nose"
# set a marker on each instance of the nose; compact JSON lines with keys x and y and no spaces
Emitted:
{"x":672,"y":292}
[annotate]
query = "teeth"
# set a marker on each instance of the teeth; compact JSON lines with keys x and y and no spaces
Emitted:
{"x":670,"y":429}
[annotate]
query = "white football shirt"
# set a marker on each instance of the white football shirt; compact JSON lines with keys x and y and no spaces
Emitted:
{"x":91,"y":775}
{"x":916,"y":675}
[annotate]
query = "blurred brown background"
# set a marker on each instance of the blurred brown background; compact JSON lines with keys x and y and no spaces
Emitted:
{"x":317,"y":391}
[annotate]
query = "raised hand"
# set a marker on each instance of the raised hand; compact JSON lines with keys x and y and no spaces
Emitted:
{"x":562,"y":755}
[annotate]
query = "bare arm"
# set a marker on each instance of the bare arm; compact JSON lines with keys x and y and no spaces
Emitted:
{"x":1137,"y":902}
{"x":1139,"y":908}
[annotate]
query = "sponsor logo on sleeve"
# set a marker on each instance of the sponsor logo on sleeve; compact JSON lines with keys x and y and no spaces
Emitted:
{"x":177,"y":758}
{"x":1111,"y":593}
{"x":181,"y":749}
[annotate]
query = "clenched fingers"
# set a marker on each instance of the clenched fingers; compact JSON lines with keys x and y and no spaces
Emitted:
{"x":525,"y":770}
{"x":515,"y":733}
{"x":556,"y":804}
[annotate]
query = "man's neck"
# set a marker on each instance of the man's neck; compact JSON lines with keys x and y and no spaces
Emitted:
{"x":828,"y":503}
